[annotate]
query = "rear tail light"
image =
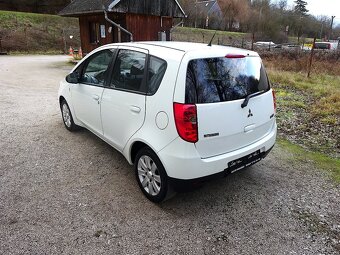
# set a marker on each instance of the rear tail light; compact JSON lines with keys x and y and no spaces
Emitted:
{"x":274,"y":100}
{"x":186,"y":121}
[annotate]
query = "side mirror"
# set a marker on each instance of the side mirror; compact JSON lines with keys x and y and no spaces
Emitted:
{"x":72,"y":78}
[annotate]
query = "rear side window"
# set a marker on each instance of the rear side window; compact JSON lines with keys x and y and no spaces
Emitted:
{"x":157,"y":68}
{"x":213,"y":80}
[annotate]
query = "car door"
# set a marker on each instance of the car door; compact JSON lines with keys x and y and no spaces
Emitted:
{"x":123,"y":101}
{"x":86,"y":95}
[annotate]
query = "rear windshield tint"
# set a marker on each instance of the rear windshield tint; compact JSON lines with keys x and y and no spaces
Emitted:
{"x":212,"y":80}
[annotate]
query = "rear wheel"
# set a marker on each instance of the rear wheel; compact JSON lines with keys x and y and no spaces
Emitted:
{"x":151,"y":176}
{"x":67,"y":116}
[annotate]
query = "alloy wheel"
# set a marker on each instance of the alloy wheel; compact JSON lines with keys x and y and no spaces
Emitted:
{"x":66,"y":115}
{"x":149,"y":175}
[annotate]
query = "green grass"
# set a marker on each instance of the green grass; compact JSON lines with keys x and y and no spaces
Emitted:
{"x":34,"y":33}
{"x":324,"y":89}
{"x":322,"y":161}
{"x":9,"y":19}
{"x":190,"y":34}
{"x":189,"y":30}
{"x":308,"y":109}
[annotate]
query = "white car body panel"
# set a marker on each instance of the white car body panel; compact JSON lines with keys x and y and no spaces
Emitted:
{"x":184,"y":162}
{"x":65,"y":92}
{"x":232,"y":126}
{"x":86,"y":105}
{"x":122,"y":115}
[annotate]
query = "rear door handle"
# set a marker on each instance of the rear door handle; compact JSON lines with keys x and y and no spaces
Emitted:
{"x":135,"y":109}
{"x":95,"y":97}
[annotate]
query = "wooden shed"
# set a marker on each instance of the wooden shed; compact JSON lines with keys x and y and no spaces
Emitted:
{"x":146,"y":20}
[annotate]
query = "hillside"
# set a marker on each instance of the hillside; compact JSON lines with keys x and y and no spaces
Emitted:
{"x":29,"y":32}
{"x":36,"y":6}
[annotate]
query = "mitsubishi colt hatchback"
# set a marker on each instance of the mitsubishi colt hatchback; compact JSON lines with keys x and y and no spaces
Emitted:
{"x":176,"y":111}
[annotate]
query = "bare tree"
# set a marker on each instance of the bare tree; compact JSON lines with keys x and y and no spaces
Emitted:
{"x":234,"y":11}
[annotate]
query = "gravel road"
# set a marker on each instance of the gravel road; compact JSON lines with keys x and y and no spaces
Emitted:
{"x":71,"y":193}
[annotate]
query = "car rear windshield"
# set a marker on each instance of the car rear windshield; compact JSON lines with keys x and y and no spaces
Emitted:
{"x":323,"y":46}
{"x":212,"y":80}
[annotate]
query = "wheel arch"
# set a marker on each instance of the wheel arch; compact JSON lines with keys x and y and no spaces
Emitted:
{"x":75,"y":119}
{"x":135,"y":147}
{"x":61,"y":99}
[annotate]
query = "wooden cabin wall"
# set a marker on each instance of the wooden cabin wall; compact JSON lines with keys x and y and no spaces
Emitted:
{"x":143,"y":28}
{"x":146,"y":27}
{"x":84,"y":24}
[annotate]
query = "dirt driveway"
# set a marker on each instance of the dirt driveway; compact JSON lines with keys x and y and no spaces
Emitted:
{"x":70,"y":193}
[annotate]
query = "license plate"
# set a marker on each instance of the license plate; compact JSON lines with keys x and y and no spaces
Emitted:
{"x":245,"y":161}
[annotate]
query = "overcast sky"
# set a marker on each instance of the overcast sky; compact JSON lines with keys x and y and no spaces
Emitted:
{"x":322,"y":7}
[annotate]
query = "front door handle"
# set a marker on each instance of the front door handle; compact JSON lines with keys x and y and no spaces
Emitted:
{"x":135,"y":109}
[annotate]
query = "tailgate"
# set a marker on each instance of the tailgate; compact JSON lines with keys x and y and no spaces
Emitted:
{"x":225,"y":127}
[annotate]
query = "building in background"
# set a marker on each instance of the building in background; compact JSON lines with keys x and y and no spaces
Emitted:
{"x":147,"y":20}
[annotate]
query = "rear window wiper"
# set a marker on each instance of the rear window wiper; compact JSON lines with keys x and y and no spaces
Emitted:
{"x":246,"y":100}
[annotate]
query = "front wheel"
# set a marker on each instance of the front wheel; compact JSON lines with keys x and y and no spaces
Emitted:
{"x":151,"y":176}
{"x":67,"y":117}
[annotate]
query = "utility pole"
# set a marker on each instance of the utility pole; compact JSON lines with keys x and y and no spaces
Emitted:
{"x":331,"y":31}
{"x":195,"y":13}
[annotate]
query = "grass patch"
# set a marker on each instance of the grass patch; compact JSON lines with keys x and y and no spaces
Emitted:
{"x":35,"y":33}
{"x":322,"y":89}
{"x":37,"y":52}
{"x":308,"y":109}
{"x":190,"y":34}
{"x":328,"y":164}
{"x":191,"y":30}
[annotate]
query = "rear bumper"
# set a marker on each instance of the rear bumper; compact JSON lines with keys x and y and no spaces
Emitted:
{"x":181,"y":185}
{"x":182,"y":161}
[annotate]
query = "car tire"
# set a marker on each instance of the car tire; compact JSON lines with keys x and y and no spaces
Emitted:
{"x":67,"y":117}
{"x":151,"y":176}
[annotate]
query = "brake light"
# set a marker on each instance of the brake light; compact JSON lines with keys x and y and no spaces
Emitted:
{"x":235,"y":56}
{"x":186,"y":121}
{"x":274,"y":100}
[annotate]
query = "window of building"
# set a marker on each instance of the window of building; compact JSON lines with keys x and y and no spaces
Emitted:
{"x":94,"y":32}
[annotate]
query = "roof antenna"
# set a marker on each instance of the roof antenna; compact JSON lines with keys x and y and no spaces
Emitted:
{"x":212,"y":38}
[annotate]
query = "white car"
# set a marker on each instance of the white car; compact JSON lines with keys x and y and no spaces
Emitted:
{"x":326,"y":45}
{"x":178,"y":111}
{"x":265,"y":44}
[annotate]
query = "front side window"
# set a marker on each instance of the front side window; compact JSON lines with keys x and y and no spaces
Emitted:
{"x":224,"y":79}
{"x":96,"y":68}
{"x":128,"y":71}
